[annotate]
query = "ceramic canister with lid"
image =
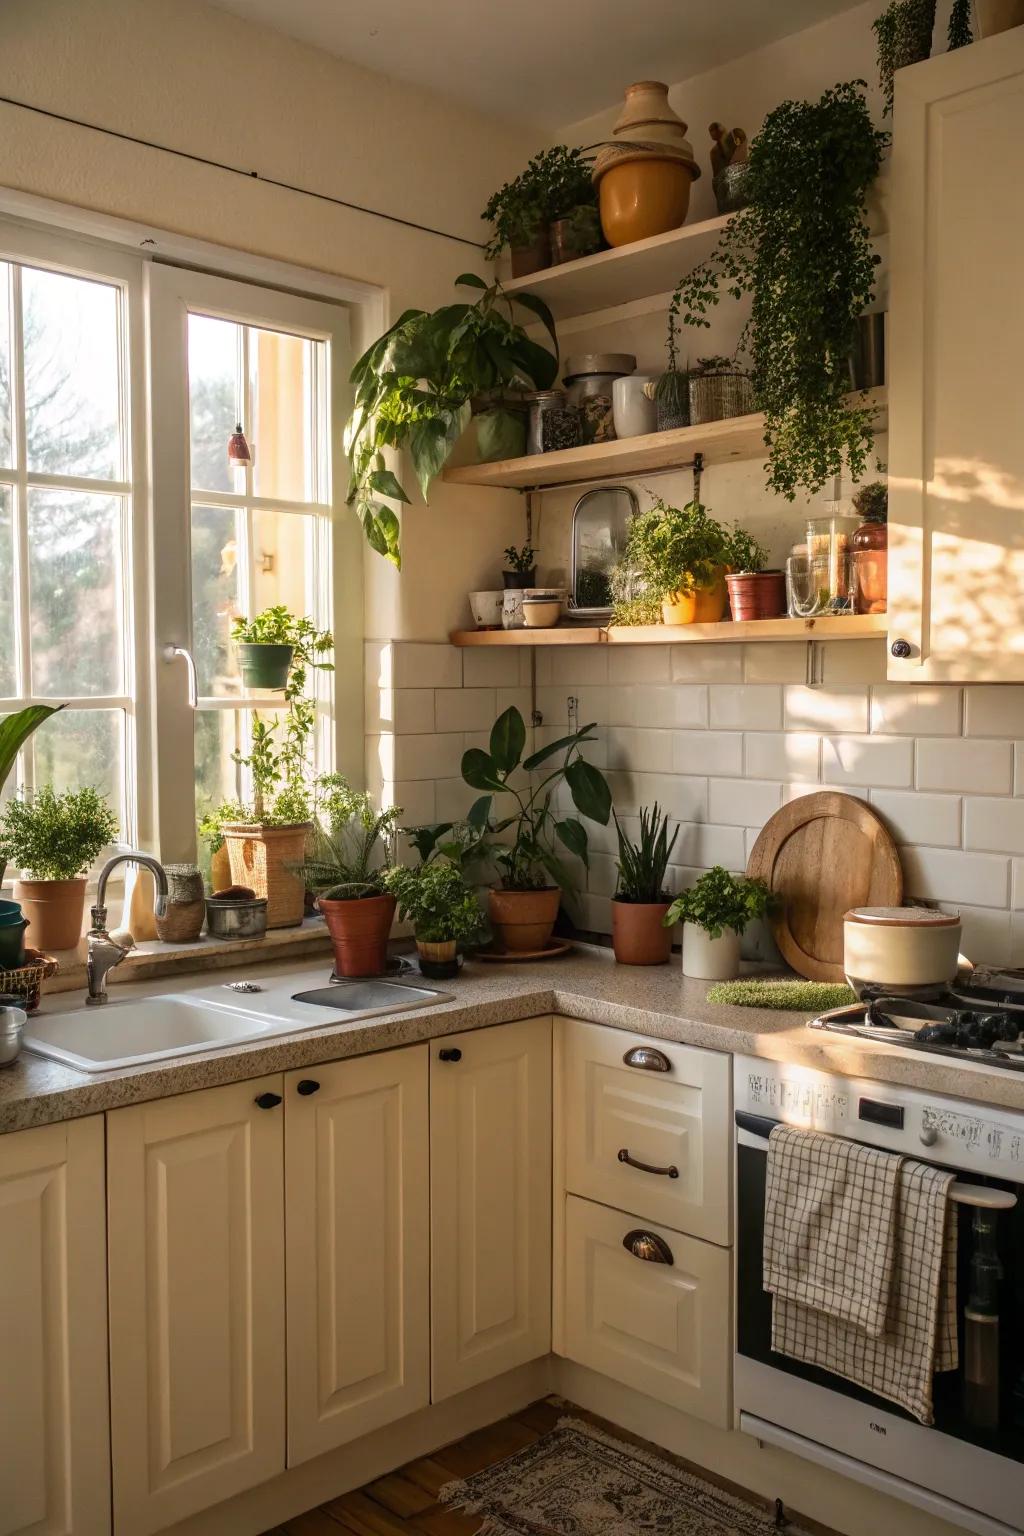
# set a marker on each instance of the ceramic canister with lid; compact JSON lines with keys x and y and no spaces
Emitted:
{"x":589,"y":377}
{"x":910,"y":951}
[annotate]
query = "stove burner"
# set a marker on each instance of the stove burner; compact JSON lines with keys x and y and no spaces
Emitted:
{"x":974,"y":1025}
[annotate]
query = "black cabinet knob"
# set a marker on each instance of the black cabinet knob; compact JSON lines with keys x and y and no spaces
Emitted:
{"x":450,"y":1053}
{"x":307,"y":1086}
{"x":267,"y":1100}
{"x":900,"y":649}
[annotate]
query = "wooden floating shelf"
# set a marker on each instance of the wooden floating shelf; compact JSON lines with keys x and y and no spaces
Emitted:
{"x":854,"y":626}
{"x":720,"y":442}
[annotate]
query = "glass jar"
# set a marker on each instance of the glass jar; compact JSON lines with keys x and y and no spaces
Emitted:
{"x":818,"y":584}
{"x":589,"y":377}
{"x":830,"y":540}
{"x":870,"y":547}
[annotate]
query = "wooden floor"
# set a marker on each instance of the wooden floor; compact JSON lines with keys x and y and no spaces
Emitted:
{"x":405,"y":1502}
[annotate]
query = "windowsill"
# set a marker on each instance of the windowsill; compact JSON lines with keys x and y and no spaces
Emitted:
{"x":154,"y":958}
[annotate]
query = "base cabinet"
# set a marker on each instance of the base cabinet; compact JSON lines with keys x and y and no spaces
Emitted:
{"x":54,"y":1446}
{"x":490,"y":1202}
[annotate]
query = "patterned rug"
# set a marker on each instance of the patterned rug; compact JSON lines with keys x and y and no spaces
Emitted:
{"x":578,"y":1481}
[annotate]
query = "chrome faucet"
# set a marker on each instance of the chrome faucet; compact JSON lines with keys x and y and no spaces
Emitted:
{"x":103,"y":952}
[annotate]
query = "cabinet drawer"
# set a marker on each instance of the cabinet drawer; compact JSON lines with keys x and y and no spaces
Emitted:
{"x":662,"y":1328}
{"x":676,"y":1121}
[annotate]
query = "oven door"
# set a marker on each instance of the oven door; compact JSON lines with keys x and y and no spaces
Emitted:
{"x":973,"y":1478}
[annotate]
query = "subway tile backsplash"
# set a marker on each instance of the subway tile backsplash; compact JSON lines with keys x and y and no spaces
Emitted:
{"x":722,"y":736}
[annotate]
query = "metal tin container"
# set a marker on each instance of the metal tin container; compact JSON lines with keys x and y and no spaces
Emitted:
{"x":245,"y":919}
{"x":12,"y":1022}
{"x":589,"y":377}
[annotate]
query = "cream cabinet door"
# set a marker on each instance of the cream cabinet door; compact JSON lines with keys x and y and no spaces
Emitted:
{"x":647,"y":1127}
{"x":956,"y":449}
{"x":196,"y":1238}
{"x":54,"y":1446}
{"x":490,"y":1202}
{"x":357,"y":1247}
{"x":661,"y":1323}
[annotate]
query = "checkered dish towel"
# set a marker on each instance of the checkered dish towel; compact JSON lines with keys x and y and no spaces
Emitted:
{"x":906,"y":1210}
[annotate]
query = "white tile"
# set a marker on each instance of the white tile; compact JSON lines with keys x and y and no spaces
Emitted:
{"x":757,"y":707}
{"x":987,"y":935}
{"x":578,"y":665}
{"x":942,"y":874}
{"x":428,"y":757}
{"x":521,"y":698}
{"x":412,"y":710}
{"x":644,"y":751}
{"x":742,"y":802}
{"x":417,"y":799}
{"x":620,"y":706}
{"x":701,"y":846}
{"x":774,"y":661}
{"x":464,"y":709}
{"x":1018,"y":767}
{"x":594,"y":913}
{"x":420,"y":665}
{"x":490,"y":667}
{"x":996,"y":825}
{"x":897,"y":710}
{"x":453,"y":799}
{"x":553,"y":703}
{"x":604,"y":874}
{"x":639,"y":664}
{"x":933,"y":820}
{"x":707,"y":663}
{"x":378,"y":662}
{"x":676,"y":704}
{"x":867,"y":760}
{"x":994,"y":710}
{"x":973,"y":767}
{"x":707,"y":752}
{"x":852,"y":662}
{"x":683,"y":797}
{"x":784,"y":755}
{"x":1017,"y":883}
{"x":827,"y":709}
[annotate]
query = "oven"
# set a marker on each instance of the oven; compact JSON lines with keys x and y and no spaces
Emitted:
{"x":969,"y":1467}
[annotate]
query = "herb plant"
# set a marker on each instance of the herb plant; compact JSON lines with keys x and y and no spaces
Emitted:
{"x":554,"y":184}
{"x":642,"y":865}
{"x":526,"y":856}
{"x":801,"y":249}
{"x":746,"y":555}
{"x":437,"y":901}
{"x":521,"y":561}
{"x":671,"y":549}
{"x":351,"y":844}
{"x":413,"y":390}
{"x":719,"y":901}
{"x":56,"y":837}
{"x":903,"y":33}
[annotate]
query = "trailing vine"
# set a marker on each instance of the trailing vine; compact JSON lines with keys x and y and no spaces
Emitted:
{"x":903,"y":33}
{"x":959,"y":33}
{"x":802,"y":250}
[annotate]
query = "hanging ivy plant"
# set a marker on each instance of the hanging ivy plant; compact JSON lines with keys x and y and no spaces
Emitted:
{"x":959,"y":33}
{"x":801,"y":249}
{"x":904,"y":36}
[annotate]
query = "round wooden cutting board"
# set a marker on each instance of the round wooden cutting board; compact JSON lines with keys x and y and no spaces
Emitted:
{"x":822,"y":855}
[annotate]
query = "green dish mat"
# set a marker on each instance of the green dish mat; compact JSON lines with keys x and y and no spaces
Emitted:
{"x":801,"y":996}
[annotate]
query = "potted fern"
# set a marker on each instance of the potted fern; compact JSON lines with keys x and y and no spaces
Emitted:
{"x":639,"y":935}
{"x":714,"y":912}
{"x":350,"y":850}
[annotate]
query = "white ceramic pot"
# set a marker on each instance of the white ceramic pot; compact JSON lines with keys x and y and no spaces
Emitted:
{"x":512,"y":608}
{"x":906,"y":950}
{"x":634,"y":412}
{"x":541,"y":612}
{"x":486,"y":609}
{"x":710,"y":959}
{"x":992,"y":16}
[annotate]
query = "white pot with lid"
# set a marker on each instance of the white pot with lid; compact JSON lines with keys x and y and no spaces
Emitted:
{"x":906,"y":951}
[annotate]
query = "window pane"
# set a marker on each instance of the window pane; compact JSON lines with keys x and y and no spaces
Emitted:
{"x":218,"y":734}
{"x":282,"y":561}
{"x":216,"y":549}
{"x":71,"y":375}
{"x":76,"y":585}
{"x":282,"y":401}
{"x":5,"y":365}
{"x":82,"y":747}
{"x":8,"y":680}
{"x":214,"y":350}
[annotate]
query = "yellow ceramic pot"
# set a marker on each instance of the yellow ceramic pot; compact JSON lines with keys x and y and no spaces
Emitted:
{"x":701,"y":605}
{"x":643,"y":194}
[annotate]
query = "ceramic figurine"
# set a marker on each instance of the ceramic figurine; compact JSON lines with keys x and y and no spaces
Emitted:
{"x":730,"y":156}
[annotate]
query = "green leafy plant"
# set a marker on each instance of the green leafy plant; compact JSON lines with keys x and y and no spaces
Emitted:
{"x":554,"y":184}
{"x":670,"y":549}
{"x":672,"y":391}
{"x":872,"y":501}
{"x":719,"y":900}
{"x":959,"y":32}
{"x":15,"y":730}
{"x":526,"y":859}
{"x":414,"y":387}
{"x":643,"y":864}
{"x":211,"y":824}
{"x":746,"y":554}
{"x":435,"y":898}
{"x":801,"y":248}
{"x":351,"y":844}
{"x":521,"y":561}
{"x":903,"y":34}
{"x":56,"y":836}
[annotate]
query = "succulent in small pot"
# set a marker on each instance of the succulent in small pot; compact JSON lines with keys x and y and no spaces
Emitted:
{"x":444,"y":912}
{"x":714,"y":912}
{"x":754,"y":592}
{"x":522,"y":568}
{"x":349,"y":853}
{"x":55,"y":839}
{"x":639,"y":935}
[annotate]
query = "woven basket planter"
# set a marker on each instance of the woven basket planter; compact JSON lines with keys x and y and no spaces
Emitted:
{"x":717,"y":396}
{"x":264,"y":859}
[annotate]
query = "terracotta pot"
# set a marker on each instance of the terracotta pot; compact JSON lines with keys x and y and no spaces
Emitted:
{"x":701,"y":605}
{"x":710,"y":959}
{"x":577,"y":234}
{"x":359,"y":930}
{"x":639,"y":937}
{"x":757,"y":595}
{"x":523,"y":919}
{"x":533,"y":257}
{"x":992,"y":16}
{"x":643,"y":194}
{"x":264,"y":859}
{"x":55,"y":910}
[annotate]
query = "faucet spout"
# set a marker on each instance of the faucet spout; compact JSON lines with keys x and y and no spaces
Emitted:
{"x":103,"y":954}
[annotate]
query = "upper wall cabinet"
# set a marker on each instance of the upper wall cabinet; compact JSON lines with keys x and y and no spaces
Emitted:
{"x":956,"y":448}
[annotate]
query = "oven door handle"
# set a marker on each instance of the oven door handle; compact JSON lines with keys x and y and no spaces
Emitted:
{"x":756,"y":1125}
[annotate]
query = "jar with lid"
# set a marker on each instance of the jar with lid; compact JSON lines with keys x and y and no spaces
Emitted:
{"x":589,"y":377}
{"x":869,"y":545}
{"x":553,"y":423}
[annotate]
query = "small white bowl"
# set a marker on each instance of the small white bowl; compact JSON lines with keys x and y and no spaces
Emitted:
{"x":541,"y":612}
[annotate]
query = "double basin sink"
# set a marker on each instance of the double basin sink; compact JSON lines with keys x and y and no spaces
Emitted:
{"x":136,"y":1031}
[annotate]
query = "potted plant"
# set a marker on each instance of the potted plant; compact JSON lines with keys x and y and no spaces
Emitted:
{"x":570,"y":201}
{"x":673,"y":567}
{"x":754,"y":591}
{"x":719,"y":388}
{"x":519,"y":222}
{"x":903,"y":33}
{"x":414,"y":390}
{"x":639,"y":935}
{"x":714,"y":912}
{"x":959,"y":33}
{"x":523,"y":910}
{"x":267,"y":646}
{"x":55,"y":838}
{"x":444,"y":912}
{"x":522,"y":568}
{"x":801,"y":248}
{"x":671,"y":394}
{"x":350,"y":849}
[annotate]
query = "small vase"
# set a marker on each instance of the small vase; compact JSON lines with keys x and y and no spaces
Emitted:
{"x":708,"y":959}
{"x":438,"y":961}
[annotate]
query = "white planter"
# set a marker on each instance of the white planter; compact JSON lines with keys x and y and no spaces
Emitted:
{"x":634,"y":412}
{"x":710,"y":959}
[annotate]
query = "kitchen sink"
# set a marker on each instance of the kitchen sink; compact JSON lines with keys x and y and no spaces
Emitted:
{"x":136,"y":1031}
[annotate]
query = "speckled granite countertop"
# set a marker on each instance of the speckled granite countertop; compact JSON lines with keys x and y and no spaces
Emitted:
{"x":657,"y":1002}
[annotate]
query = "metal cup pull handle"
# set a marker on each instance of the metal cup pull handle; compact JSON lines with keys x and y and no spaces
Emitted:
{"x":671,"y":1172}
{"x":648,"y":1246}
{"x":648,"y":1058}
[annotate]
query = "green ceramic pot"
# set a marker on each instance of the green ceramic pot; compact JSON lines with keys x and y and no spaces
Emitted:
{"x":265,"y":667}
{"x":12,"y":945}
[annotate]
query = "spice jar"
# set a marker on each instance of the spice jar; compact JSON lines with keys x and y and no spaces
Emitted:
{"x":553,"y":423}
{"x":829,"y":548}
{"x":589,"y":378}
